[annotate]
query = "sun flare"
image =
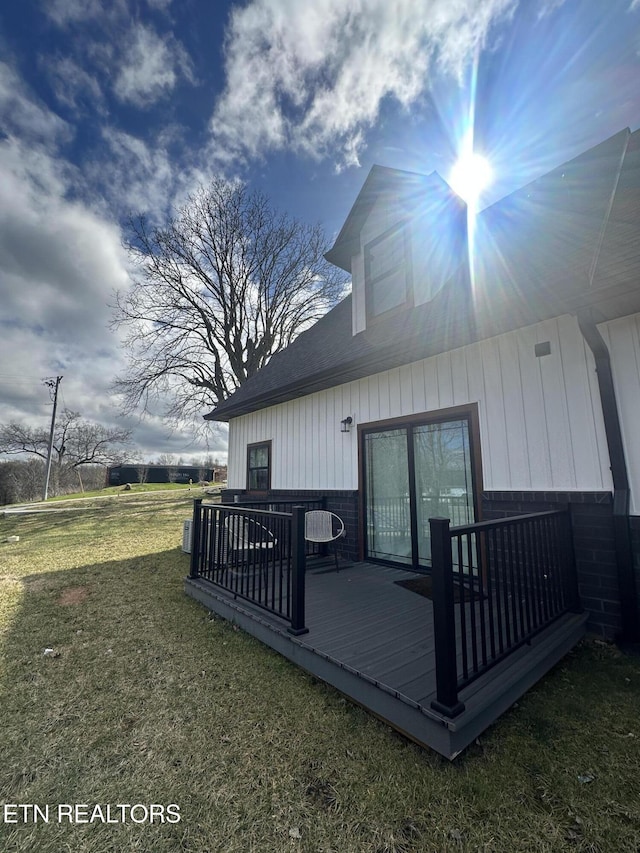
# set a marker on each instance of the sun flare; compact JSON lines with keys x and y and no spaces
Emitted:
{"x":471,"y":174}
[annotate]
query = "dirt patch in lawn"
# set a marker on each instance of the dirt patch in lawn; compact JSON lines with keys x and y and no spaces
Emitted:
{"x":73,"y":595}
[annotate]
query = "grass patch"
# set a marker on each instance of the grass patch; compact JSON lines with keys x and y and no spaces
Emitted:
{"x":134,"y":488}
{"x":146,"y":698}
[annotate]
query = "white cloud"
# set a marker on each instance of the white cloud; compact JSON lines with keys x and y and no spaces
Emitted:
{"x":153,"y":68}
{"x":152,"y":438}
{"x":59,"y":262}
{"x":72,"y":84}
{"x":548,"y":7}
{"x":142,"y":65}
{"x":312,"y":77}
{"x":32,"y":189}
{"x":65,"y":12}
{"x":136,"y":176}
{"x":22,"y":113}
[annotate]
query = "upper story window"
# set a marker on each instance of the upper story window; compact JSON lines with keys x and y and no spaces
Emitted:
{"x":259,"y":467}
{"x":386,"y":271}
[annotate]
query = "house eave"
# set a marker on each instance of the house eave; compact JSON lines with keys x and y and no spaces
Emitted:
{"x":342,"y":253}
{"x":387,"y":358}
{"x":605,"y":303}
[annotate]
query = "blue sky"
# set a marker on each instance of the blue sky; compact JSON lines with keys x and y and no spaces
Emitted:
{"x":108,"y":108}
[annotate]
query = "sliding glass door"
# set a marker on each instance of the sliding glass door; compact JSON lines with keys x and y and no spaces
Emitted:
{"x":443,"y":478}
{"x":388,"y":503}
{"x":414,"y":472}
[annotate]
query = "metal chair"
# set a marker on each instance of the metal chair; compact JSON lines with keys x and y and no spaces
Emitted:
{"x":248,"y":543}
{"x":324,"y":527}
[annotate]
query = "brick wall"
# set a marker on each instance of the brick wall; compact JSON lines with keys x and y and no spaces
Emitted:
{"x":592,"y":519}
{"x":634,"y":524}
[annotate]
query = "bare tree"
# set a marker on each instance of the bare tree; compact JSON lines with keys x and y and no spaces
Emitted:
{"x":21,"y":480}
{"x":167,"y":459}
{"x":76,"y":441}
{"x":225,"y":285}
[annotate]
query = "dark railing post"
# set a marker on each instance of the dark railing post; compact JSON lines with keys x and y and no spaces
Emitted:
{"x":195,"y":538}
{"x":297,"y":571}
{"x":444,"y":622}
{"x":571,"y":591}
{"x":323,"y":549}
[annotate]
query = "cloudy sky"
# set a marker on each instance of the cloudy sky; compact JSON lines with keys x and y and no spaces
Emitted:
{"x":108,"y":108}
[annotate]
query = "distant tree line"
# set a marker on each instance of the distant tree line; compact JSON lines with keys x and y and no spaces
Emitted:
{"x":21,"y":480}
{"x":80,"y":453}
{"x":84,"y":457}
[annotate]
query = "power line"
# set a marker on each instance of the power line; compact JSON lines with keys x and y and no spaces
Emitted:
{"x":5,"y":378}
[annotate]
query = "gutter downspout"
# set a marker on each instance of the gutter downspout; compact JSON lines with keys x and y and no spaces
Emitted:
{"x":621,"y":491}
{"x":613,"y":431}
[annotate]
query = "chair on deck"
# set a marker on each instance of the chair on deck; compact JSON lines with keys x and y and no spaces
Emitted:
{"x":324,"y":527}
{"x":249,"y":543}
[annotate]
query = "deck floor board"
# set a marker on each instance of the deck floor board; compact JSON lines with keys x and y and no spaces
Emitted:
{"x":378,"y":626}
{"x":367,"y":633}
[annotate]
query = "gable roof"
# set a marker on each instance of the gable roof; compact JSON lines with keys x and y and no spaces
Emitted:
{"x":410,"y":188}
{"x":565,"y":242}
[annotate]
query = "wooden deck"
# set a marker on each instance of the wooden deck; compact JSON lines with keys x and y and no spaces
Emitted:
{"x":373,"y":640}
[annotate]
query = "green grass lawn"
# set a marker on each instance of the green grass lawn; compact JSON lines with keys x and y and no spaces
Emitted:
{"x":147,"y":699}
{"x":135,"y":488}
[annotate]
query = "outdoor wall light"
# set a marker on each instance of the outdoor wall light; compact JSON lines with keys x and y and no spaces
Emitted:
{"x":345,"y":425}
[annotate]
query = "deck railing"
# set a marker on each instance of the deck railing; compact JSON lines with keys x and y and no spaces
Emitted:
{"x":281,"y":504}
{"x":256,"y":555}
{"x":496,"y":584}
{"x":393,"y":512}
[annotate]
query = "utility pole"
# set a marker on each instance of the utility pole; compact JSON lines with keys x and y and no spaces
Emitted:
{"x":55,"y":385}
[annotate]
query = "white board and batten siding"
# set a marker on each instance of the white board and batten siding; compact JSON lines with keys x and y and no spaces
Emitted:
{"x":541,"y":424}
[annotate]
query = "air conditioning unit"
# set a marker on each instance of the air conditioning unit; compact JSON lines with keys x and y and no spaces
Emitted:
{"x":186,"y":536}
